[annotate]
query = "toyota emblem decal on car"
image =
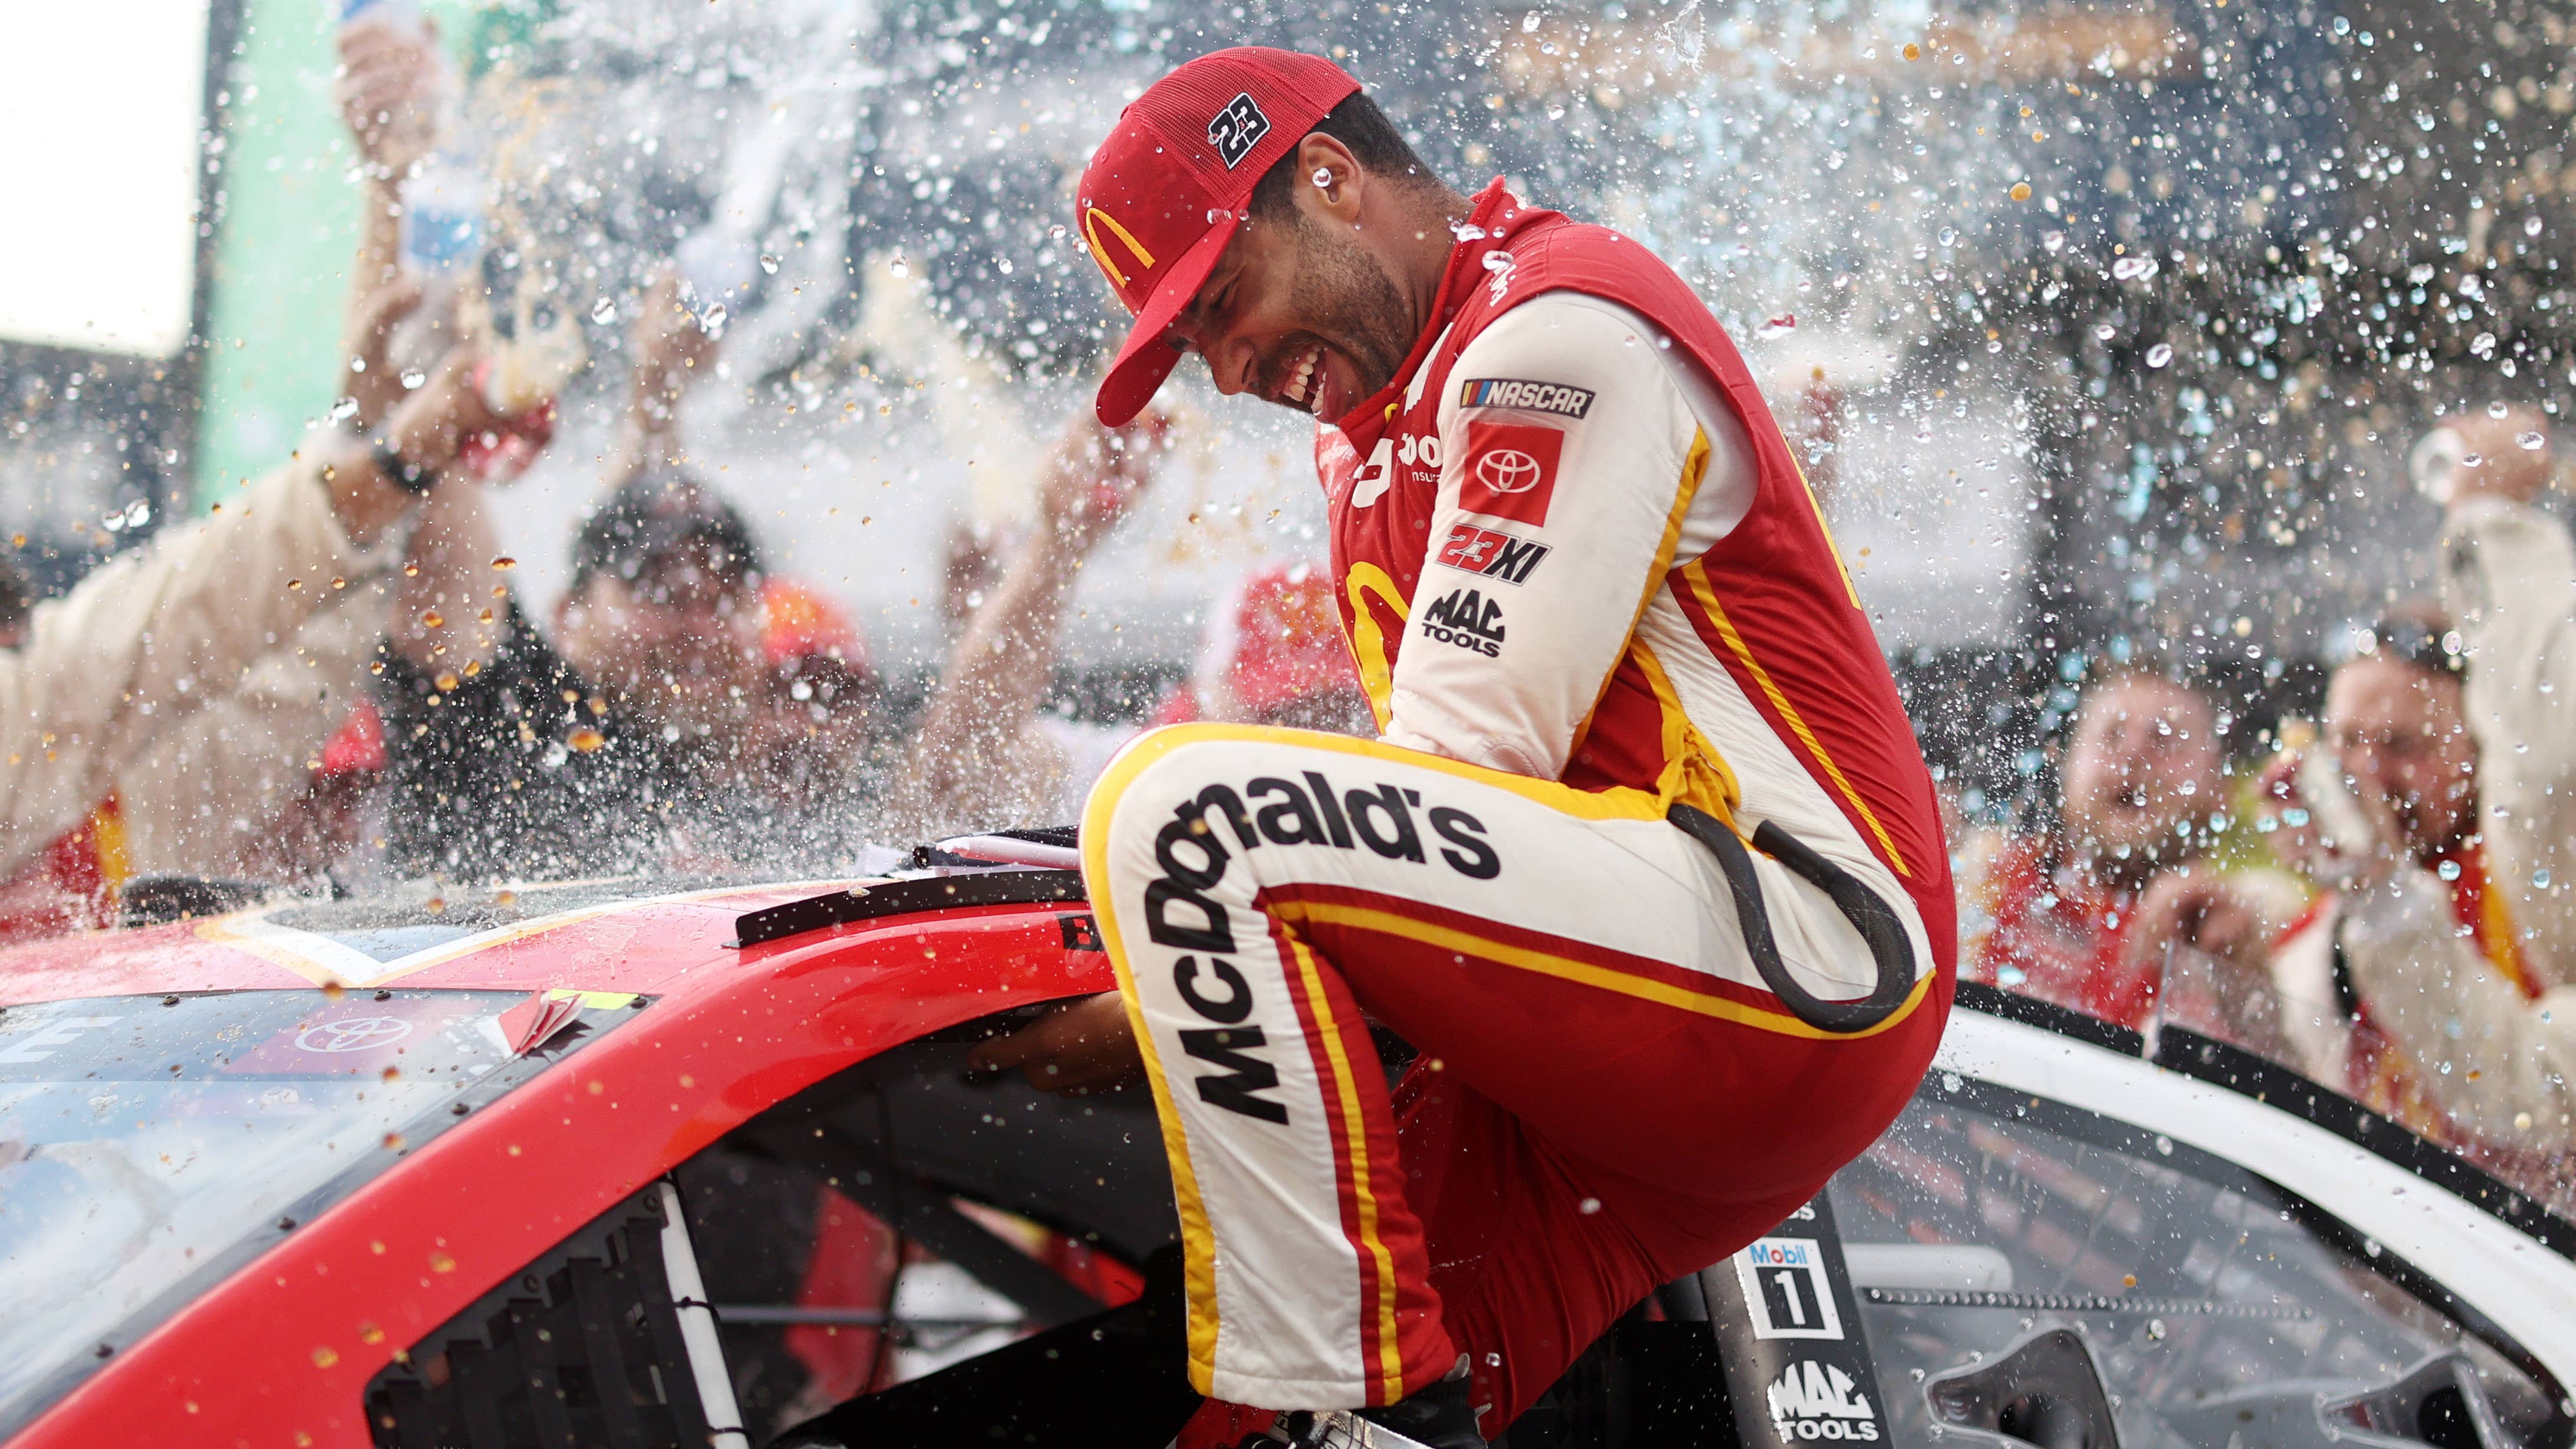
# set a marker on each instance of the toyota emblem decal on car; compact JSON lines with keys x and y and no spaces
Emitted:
{"x":1507,"y":470}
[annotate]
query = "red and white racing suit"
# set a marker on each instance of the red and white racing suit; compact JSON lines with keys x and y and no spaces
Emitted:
{"x":1584,"y":582}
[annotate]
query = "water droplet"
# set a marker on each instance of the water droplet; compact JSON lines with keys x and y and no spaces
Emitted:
{"x":899,"y":266}
{"x":412,"y":378}
{"x":2053,"y":241}
{"x":1322,"y":178}
{"x":1913,"y":51}
{"x":2155,"y":1328}
{"x":604,"y":311}
{"x":714,"y":320}
{"x":2021,"y":191}
{"x":1948,"y":236}
{"x":769,"y":264}
{"x":585,"y":739}
{"x":1588,"y":1206}
{"x":2159,"y":355}
{"x":2531,"y":226}
{"x":1780,"y":326}
{"x":343,"y":410}
{"x":324,"y":1357}
{"x":2531,"y":442}
{"x":2105,"y":331}
{"x":505,"y":562}
{"x":1466,"y":231}
{"x":2134,"y":268}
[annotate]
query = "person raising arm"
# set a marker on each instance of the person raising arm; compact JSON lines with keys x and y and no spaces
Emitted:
{"x":153,"y":635}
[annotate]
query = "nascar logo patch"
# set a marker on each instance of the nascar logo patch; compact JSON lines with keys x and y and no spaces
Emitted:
{"x":1513,"y":392}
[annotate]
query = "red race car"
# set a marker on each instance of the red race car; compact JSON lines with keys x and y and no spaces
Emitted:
{"x":611,"y":1165}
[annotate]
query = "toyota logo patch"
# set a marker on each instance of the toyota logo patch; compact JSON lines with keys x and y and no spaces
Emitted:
{"x":1510,"y":470}
{"x":356,"y":1034}
{"x":1507,"y":470}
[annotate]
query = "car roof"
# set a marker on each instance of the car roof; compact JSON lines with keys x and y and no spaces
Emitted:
{"x":648,"y":937}
{"x":660,"y":937}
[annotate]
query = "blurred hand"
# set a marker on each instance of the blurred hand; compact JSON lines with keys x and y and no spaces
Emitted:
{"x":2297,"y":842}
{"x":1096,"y":472}
{"x":2501,"y":462}
{"x":2193,"y":908}
{"x":387,"y":90}
{"x":671,"y":349}
{"x":431,"y":425}
{"x":2214,"y":957}
{"x":1087,"y":1046}
{"x":366,"y":340}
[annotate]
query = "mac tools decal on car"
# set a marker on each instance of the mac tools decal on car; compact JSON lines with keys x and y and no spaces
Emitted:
{"x":1510,"y":471}
{"x":1813,"y":1400}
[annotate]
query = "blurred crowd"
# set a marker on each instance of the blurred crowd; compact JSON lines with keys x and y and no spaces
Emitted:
{"x":2379,"y":898}
{"x":331,"y":682}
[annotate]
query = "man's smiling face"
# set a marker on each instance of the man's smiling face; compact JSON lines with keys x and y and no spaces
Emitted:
{"x":1298,"y":313}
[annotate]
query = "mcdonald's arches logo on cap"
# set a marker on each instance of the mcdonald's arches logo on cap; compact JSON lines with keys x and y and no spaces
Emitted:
{"x":1092,"y":220}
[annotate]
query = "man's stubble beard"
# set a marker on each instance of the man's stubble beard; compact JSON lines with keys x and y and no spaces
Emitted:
{"x":1351,"y":305}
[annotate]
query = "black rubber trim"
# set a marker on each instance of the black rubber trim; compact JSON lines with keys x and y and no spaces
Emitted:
{"x":2221,"y":1065}
{"x":907,"y":897}
{"x":2049,"y":1016}
{"x":1878,"y":925}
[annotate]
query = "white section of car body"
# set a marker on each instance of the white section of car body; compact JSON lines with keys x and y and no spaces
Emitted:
{"x":1009,"y":850}
{"x":698,"y":1326}
{"x":1935,"y":1267}
{"x":2518,"y":1283}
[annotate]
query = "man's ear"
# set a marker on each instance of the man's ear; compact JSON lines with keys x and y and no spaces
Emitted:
{"x":1329,"y":184}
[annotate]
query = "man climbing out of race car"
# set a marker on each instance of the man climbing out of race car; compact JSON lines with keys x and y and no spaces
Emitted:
{"x":1645,"y":863}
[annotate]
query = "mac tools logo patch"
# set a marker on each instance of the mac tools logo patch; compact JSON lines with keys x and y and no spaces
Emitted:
{"x":1812,"y":1400}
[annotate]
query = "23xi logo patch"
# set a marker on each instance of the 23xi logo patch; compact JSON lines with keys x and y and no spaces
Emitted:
{"x":1510,"y":471}
{"x":1237,"y":129}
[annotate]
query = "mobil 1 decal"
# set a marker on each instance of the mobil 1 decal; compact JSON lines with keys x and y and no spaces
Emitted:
{"x":1797,"y":1367}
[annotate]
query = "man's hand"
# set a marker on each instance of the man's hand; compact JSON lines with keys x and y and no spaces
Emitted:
{"x":671,"y":351}
{"x":2212,"y":945}
{"x":2507,"y":457}
{"x":2298,"y":842}
{"x":2190,"y":907}
{"x":426,"y":431}
{"x":1095,"y":472}
{"x":388,"y":92}
{"x":1088,"y":1046}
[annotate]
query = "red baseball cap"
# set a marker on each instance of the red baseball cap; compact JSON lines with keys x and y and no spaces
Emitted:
{"x":1168,"y":188}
